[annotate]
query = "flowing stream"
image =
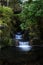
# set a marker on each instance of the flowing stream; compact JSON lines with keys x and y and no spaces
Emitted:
{"x":24,"y":45}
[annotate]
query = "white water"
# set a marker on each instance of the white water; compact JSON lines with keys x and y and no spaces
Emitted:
{"x":24,"y":1}
{"x":23,"y":45}
{"x":18,"y":37}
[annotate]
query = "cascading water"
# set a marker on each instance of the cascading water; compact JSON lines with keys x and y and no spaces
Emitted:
{"x":18,"y":37}
{"x":23,"y":44}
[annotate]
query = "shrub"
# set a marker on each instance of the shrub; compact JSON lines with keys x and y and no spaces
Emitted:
{"x":6,"y":15}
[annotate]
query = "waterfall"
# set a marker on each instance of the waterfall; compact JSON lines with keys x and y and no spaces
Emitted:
{"x":18,"y":36}
{"x":24,"y":45}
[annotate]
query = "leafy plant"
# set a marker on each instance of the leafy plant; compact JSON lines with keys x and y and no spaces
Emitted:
{"x":29,"y":15}
{"x":6,"y":15}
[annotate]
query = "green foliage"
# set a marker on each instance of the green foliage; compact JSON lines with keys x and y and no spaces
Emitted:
{"x":28,"y":16}
{"x":6,"y":14}
{"x":12,"y":3}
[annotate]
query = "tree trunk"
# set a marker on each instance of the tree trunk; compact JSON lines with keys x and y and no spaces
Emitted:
{"x":40,"y":23}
